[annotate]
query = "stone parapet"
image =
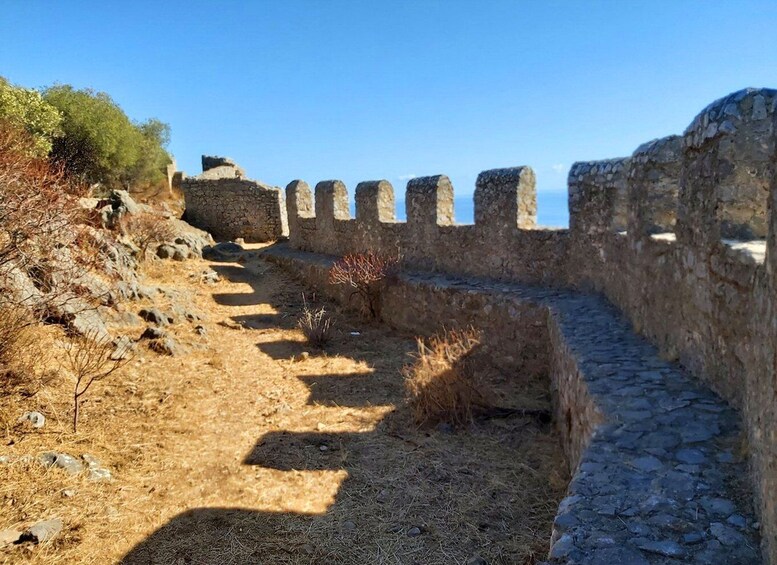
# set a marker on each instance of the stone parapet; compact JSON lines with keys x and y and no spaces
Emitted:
{"x":653,"y":455}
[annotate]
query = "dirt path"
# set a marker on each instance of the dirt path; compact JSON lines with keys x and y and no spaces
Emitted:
{"x":246,"y":450}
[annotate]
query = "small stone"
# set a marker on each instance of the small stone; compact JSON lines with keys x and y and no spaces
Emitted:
{"x":413,"y":532}
{"x":382,"y":496}
{"x":62,"y":460}
{"x":725,"y":535}
{"x":718,"y":506}
{"x":43,"y":531}
{"x":691,"y":456}
{"x":36,"y":419}
{"x":737,"y":520}
{"x":476,"y":560}
{"x":323,"y":448}
{"x":68,"y":493}
{"x":667,"y":548}
{"x":96,"y":471}
{"x":165,"y":346}
{"x":617,"y":556}
{"x":563,"y":547}
{"x":7,"y":537}
{"x":692,"y":538}
{"x":640,"y":529}
{"x":647,"y":464}
{"x":349,"y":526}
{"x":123,"y":348}
{"x":210,"y":277}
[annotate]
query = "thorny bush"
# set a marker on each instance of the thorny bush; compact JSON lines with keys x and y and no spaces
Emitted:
{"x":365,"y":273}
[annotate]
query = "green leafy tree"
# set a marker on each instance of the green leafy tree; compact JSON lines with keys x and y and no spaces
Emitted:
{"x":102,"y":145}
{"x":26,"y":108}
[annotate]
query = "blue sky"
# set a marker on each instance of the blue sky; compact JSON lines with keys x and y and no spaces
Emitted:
{"x":363,"y":90}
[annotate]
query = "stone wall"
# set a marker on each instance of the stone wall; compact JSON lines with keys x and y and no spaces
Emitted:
{"x":652,"y":453}
{"x":660,"y":233}
{"x":702,"y":298}
{"x":503,"y":242}
{"x":229,"y":206}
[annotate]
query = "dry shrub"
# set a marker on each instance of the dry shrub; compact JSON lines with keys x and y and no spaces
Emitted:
{"x":365,"y":273}
{"x":147,"y":230}
{"x":39,"y":217}
{"x":316,"y":324}
{"x":37,"y":202}
{"x":91,"y":358}
{"x":18,"y":351}
{"x":440,"y":383}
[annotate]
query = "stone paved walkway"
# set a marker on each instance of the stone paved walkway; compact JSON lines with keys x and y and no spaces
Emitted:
{"x":660,"y":481}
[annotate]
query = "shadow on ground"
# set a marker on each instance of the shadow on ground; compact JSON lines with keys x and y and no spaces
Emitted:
{"x":410,"y":496}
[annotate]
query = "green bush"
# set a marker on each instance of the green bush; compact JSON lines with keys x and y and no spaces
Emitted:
{"x":26,"y":108}
{"x":102,"y":145}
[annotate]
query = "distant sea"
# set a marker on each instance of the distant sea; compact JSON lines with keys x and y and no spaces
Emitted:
{"x":551,"y":210}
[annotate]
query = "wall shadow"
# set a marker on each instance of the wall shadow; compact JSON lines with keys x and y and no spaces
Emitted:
{"x":354,"y":389}
{"x":393,"y":468}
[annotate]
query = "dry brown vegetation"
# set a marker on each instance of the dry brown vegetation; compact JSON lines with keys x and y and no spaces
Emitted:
{"x":441,"y":383}
{"x":147,"y":230}
{"x":91,"y":358}
{"x":37,"y":209}
{"x":365,"y":273}
{"x":245,"y":451}
{"x":316,"y":324}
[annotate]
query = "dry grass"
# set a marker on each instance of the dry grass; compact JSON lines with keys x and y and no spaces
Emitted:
{"x":441,"y":384}
{"x":316,"y":324}
{"x":23,"y":357}
{"x":217,"y":456}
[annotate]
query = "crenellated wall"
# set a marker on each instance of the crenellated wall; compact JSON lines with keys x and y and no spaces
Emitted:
{"x":704,"y":293}
{"x":503,"y":242}
{"x":680,"y":236}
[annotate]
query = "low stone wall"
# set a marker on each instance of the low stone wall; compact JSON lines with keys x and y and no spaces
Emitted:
{"x":233,"y":208}
{"x":229,"y":206}
{"x":653,"y":455}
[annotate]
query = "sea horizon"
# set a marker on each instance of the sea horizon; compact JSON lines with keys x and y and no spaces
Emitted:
{"x":552,"y":211}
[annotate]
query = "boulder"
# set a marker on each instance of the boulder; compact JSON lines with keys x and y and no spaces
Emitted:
{"x":224,"y":251}
{"x":175,"y":252}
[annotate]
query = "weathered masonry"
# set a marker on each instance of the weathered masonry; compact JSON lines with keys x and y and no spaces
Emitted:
{"x":228,"y":205}
{"x":677,"y":243}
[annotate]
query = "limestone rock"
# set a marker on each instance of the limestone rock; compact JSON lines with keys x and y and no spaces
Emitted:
{"x":166,"y":346}
{"x":224,"y":251}
{"x":10,"y":536}
{"x":36,"y":419}
{"x":70,"y":464}
{"x":43,"y":531}
{"x":155,"y":316}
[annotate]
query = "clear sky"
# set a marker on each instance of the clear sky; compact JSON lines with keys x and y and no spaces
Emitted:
{"x":374,"y":89}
